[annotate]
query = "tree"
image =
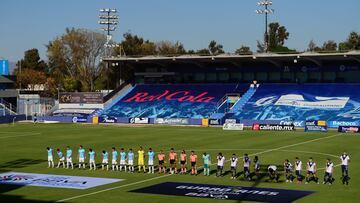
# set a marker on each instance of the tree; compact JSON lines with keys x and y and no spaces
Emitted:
{"x":203,"y":52}
{"x":311,"y":46}
{"x":329,"y":45}
{"x":260,"y":47}
{"x":277,"y":36}
{"x":134,"y":45}
{"x":169,"y":48}
{"x":32,"y":61}
{"x":353,"y":41}
{"x":76,"y":54}
{"x":29,"y":78}
{"x":215,"y":48}
{"x":343,"y":46}
{"x":243,"y":50}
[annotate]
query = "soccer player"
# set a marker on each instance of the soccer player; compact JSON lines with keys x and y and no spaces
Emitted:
{"x":257,"y":166}
{"x":220,"y":164}
{"x":183,"y":162}
{"x":141,"y":157}
{"x":288,"y":170}
{"x":298,"y":167}
{"x":207,"y":162}
{"x":122,"y":159}
{"x":329,"y":169}
{"x":61,"y":158}
{"x":69,"y":158}
{"x":151,"y":156}
{"x":193,"y":160}
{"x":92,"y":159}
{"x":247,"y":162}
{"x":81,"y":156}
{"x":131,"y":161}
{"x":345,"y":159}
{"x":105,"y":160}
{"x":161,"y":158}
{"x":172,"y":161}
{"x":311,"y":171}
{"x":273,"y":175}
{"x":233,"y":164}
{"x":50,"y":157}
{"x":114,"y":155}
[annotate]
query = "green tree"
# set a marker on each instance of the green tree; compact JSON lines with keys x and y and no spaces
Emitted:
{"x":329,"y":45}
{"x":243,"y":50}
{"x":215,"y":48}
{"x":203,"y":52}
{"x":134,"y":45}
{"x":169,"y":48}
{"x":32,"y":60}
{"x":353,"y":41}
{"x":277,"y":36}
{"x":76,"y":54}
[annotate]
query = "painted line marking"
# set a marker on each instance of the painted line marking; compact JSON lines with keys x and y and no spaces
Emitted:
{"x":159,"y":177}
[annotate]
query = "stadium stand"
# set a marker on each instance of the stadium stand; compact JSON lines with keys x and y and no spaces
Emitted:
{"x":172,"y":101}
{"x":299,"y":102}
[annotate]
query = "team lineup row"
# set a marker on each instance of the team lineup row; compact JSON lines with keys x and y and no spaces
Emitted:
{"x":127,"y":164}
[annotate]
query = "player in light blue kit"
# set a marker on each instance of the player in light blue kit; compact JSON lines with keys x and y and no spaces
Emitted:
{"x":122,"y":159}
{"x":114,"y":155}
{"x":105,"y":160}
{"x":61,"y":158}
{"x":50,"y":157}
{"x":92,"y":159}
{"x":151,"y":156}
{"x":69,"y":158}
{"x":131,"y":161}
{"x":81,"y":156}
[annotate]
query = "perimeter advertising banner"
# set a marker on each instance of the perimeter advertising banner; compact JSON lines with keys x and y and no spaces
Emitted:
{"x":233,"y":126}
{"x":349,"y":129}
{"x":273,"y":127}
{"x":80,"y":98}
{"x":139,"y":120}
{"x":315,"y":126}
{"x":172,"y":121}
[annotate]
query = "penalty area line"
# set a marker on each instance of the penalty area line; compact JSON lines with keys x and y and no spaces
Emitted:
{"x":167,"y":175}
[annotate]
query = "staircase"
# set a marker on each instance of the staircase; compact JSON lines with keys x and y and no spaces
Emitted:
{"x":243,"y":100}
{"x":117,"y":97}
{"x":7,"y":108}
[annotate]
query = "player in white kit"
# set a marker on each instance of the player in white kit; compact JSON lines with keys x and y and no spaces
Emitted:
{"x":233,"y":164}
{"x":50,"y":157}
{"x":345,"y":159}
{"x":329,"y":170}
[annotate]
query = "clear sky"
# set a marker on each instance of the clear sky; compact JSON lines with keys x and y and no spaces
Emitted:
{"x":27,"y":24}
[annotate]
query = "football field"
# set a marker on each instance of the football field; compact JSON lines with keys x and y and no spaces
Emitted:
{"x":23,"y":149}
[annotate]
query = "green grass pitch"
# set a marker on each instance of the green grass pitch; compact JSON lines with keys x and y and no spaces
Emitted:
{"x":22,"y":149}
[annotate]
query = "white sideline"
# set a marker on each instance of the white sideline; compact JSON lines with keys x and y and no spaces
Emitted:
{"x":155,"y":178}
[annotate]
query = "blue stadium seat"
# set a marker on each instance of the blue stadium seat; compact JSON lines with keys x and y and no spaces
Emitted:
{"x":172,"y":101}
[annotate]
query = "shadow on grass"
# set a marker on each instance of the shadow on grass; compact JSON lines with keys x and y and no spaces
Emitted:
{"x":4,"y":188}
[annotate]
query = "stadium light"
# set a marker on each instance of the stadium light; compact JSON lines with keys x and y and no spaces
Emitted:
{"x":266,"y":11}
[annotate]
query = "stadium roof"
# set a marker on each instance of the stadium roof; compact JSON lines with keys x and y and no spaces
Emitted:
{"x":271,"y":58}
{"x":5,"y":80}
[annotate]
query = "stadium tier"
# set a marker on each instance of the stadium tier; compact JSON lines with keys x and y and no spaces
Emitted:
{"x":335,"y":103}
{"x":172,"y":101}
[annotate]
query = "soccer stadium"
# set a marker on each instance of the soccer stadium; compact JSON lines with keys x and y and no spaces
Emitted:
{"x":94,"y":117}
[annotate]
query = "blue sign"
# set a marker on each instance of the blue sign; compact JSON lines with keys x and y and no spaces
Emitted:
{"x":4,"y":67}
{"x":336,"y":124}
{"x":56,"y":181}
{"x":224,"y":192}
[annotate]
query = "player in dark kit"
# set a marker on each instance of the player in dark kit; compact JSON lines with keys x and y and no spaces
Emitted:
{"x":345,"y":159}
{"x":246,"y":161}
{"x":288,"y":169}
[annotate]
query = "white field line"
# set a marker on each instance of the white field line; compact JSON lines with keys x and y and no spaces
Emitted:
{"x":163,"y":176}
{"x":23,"y":135}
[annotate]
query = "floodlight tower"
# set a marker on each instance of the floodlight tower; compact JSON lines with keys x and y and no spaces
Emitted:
{"x":109,"y":20}
{"x":265,"y":4}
